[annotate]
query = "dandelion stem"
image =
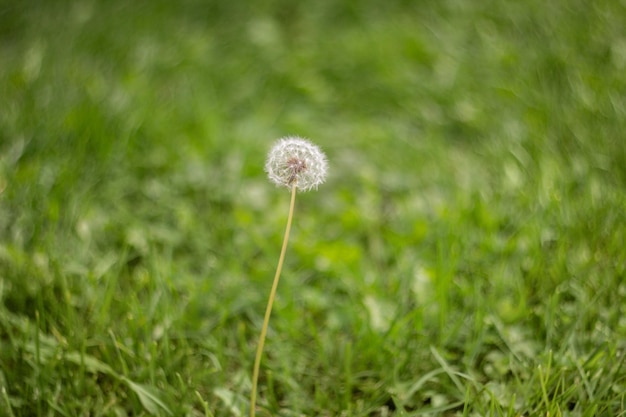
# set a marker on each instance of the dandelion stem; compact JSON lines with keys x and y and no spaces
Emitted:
{"x":270,"y":302}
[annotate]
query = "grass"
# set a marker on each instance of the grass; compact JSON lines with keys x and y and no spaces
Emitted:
{"x":465,"y":258}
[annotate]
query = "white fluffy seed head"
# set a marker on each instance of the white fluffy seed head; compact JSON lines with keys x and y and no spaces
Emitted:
{"x":294,"y":159}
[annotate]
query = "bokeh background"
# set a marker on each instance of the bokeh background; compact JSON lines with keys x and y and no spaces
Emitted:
{"x":465,"y":257}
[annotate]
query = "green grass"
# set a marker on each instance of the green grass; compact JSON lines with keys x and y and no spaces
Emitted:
{"x":465,"y":258}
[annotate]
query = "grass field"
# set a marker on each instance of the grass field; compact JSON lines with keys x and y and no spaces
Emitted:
{"x":466,"y":256}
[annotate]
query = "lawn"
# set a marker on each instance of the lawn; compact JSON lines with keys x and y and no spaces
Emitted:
{"x":465,"y":257}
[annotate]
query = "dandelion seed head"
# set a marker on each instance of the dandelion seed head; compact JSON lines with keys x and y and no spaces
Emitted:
{"x":294,"y":159}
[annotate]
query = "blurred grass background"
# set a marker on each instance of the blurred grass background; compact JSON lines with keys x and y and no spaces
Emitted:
{"x":466,"y":256}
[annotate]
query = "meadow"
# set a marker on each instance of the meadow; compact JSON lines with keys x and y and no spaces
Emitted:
{"x":466,"y":256}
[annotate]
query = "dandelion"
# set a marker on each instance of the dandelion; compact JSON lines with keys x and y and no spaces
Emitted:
{"x":297,"y":164}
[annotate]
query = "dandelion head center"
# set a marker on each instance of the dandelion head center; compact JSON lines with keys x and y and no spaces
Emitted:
{"x":296,"y":166}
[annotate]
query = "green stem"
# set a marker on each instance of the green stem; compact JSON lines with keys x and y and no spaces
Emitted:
{"x":270,"y":302}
